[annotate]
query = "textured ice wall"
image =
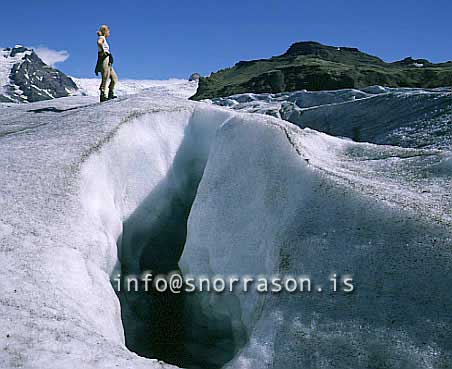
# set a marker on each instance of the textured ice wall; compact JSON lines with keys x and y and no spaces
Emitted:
{"x":323,"y":205}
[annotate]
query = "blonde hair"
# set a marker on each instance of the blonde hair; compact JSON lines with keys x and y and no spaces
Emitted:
{"x":102,"y":30}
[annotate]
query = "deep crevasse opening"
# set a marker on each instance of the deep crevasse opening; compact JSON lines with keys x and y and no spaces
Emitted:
{"x":138,"y":190}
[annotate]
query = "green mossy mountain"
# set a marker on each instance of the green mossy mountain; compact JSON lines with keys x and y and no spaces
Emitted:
{"x":313,"y":66}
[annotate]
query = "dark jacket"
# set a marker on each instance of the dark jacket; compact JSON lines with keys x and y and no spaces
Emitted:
{"x":100,"y":60}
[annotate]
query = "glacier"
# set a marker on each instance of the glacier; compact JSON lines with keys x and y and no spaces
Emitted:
{"x":407,"y":117}
{"x":174,"y":87}
{"x":155,"y":181}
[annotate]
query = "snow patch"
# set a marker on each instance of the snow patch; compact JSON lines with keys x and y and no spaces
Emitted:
{"x":6,"y":64}
{"x":175,"y":87}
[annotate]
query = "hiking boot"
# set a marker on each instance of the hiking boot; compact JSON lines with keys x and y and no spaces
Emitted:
{"x":111,"y":95}
{"x":103,"y":98}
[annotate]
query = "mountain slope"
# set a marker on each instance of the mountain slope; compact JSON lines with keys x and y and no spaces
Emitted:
{"x":313,"y":66}
{"x":24,"y":77}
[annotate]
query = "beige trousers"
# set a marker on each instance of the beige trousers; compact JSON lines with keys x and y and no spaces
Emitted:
{"x":108,"y":73}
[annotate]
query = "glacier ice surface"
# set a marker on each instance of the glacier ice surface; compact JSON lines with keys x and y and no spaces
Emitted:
{"x":407,"y":117}
{"x":88,"y":189}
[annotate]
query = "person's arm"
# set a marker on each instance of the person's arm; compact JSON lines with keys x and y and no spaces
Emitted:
{"x":100,"y":43}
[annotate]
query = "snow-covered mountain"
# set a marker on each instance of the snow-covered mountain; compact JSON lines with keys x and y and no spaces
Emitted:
{"x":24,"y":77}
{"x":152,"y":181}
{"x":407,"y":117}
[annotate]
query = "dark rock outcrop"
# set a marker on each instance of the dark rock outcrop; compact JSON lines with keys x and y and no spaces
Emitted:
{"x":195,"y":77}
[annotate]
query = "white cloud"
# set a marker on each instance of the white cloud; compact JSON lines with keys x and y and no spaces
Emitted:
{"x":51,"y":57}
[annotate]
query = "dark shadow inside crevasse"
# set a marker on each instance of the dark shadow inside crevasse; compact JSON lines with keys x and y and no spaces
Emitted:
{"x":165,"y":325}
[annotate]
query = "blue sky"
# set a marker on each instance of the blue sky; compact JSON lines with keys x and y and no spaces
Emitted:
{"x":162,"y":39}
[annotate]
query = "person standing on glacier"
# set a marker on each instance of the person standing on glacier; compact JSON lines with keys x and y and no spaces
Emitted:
{"x":105,"y":65}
